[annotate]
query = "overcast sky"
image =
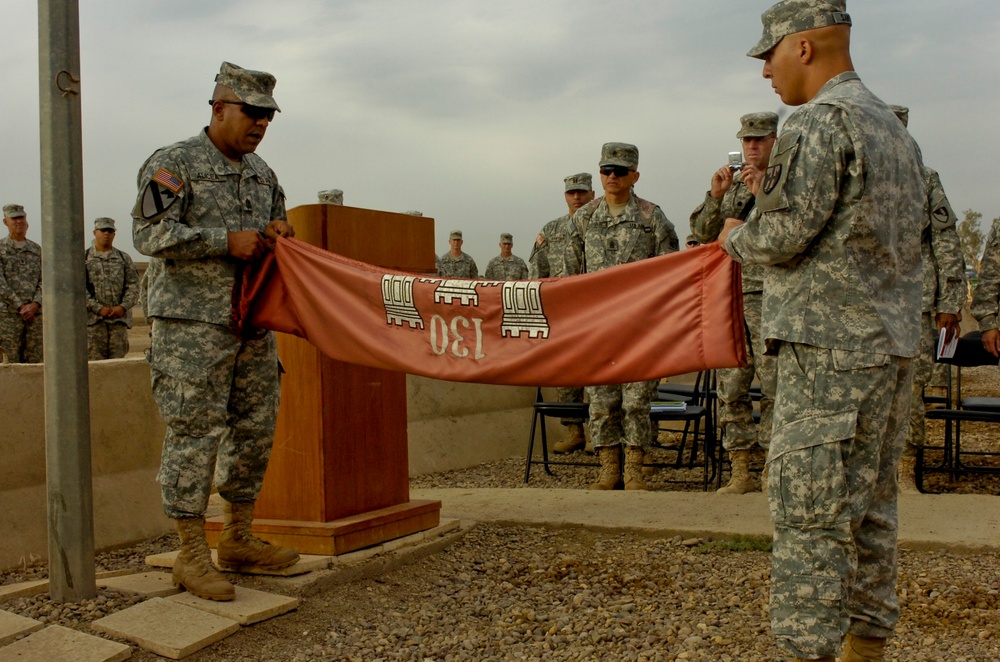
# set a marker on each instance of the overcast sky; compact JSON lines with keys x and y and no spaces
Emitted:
{"x":473,"y":112}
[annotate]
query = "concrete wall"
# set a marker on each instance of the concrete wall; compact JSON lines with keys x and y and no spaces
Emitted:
{"x":451,"y":426}
{"x":125,"y":432}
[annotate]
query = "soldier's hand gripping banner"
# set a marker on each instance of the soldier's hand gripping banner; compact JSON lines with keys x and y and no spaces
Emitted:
{"x":664,"y":316}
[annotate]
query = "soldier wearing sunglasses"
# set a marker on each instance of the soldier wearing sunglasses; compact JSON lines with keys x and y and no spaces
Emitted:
{"x":207,"y":205}
{"x":618,"y":228}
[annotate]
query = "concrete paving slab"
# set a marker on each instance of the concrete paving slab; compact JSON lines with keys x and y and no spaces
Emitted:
{"x":149,"y":584}
{"x":13,"y":626}
{"x":927,"y":521}
{"x":23,"y":590}
{"x":166,"y":628}
{"x":307,"y":563}
{"x":59,"y":643}
{"x":249,"y":606}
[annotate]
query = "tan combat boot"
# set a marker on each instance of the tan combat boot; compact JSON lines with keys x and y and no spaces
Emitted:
{"x":740,"y":481}
{"x":238,"y":549}
{"x":193,"y":569}
{"x":634,"y":456}
{"x":573,"y":441}
{"x":907,"y":477}
{"x":862,"y":649}
{"x":610,"y":477}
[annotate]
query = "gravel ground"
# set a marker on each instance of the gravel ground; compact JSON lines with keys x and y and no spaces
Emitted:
{"x":530,"y":593}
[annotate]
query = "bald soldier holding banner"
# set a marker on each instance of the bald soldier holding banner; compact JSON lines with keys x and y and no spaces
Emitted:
{"x":838,"y":218}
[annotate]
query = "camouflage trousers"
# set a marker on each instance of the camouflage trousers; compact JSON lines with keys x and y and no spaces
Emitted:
{"x":574,"y":394}
{"x":923,"y":370}
{"x":619,"y":414}
{"x":218,"y":396}
{"x":22,"y":341}
{"x":107,"y":340}
{"x":839,"y":424}
{"x":735,"y":406}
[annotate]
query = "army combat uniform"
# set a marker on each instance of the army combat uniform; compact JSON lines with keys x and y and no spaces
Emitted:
{"x":838,"y":216}
{"x":986,"y":296}
{"x":20,"y":283}
{"x":511,"y":268}
{"x":462,"y":266}
{"x":112,"y":280}
{"x":596,"y":240}
{"x":217,"y":393}
{"x":736,"y":410}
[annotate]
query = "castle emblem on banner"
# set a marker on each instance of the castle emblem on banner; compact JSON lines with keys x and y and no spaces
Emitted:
{"x":522,"y":303}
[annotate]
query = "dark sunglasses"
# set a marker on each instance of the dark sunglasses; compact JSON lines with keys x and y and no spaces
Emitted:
{"x":111,"y":230}
{"x":617,"y":171}
{"x":692,"y":243}
{"x":253,"y":112}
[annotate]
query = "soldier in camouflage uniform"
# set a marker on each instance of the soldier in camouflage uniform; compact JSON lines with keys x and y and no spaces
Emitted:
{"x":207,"y":205}
{"x":944,"y":292}
{"x":618,"y":228}
{"x":506,"y":266}
{"x":546,"y":261}
{"x":838,"y":216}
{"x":112,"y":291}
{"x":731,"y":197}
{"x":455,"y":263}
{"x":20,"y":290}
{"x":986,"y":296}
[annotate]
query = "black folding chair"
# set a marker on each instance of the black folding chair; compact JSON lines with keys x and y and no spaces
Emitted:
{"x":543,"y":410}
{"x":969,"y":353}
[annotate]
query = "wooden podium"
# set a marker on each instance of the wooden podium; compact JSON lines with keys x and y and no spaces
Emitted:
{"x":338,"y":479}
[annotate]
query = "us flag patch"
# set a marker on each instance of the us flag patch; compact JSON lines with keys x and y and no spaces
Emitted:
{"x":168,"y":179}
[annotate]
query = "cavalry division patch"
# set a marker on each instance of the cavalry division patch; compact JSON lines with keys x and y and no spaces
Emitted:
{"x":160,"y":193}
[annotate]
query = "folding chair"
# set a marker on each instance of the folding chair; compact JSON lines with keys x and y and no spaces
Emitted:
{"x":543,"y":410}
{"x":699,"y":422}
{"x":969,"y":353}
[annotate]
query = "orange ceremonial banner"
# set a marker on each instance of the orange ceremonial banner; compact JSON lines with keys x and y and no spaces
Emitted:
{"x":664,"y":316}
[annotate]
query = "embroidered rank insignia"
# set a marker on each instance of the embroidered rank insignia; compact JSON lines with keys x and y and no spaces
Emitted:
{"x":772,"y":177}
{"x":160,"y":193}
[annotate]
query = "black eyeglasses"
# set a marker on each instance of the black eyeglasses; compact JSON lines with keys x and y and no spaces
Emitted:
{"x":617,"y":171}
{"x":253,"y":112}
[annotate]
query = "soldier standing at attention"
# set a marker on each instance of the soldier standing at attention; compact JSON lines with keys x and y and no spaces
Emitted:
{"x":205,"y":206}
{"x":20,"y":290}
{"x":839,"y":214}
{"x":547,"y":261}
{"x":455,"y":263}
{"x":731,"y":196}
{"x":986,"y":296}
{"x":112,"y":291}
{"x":506,"y":266}
{"x":944,"y":294}
{"x":618,"y":228}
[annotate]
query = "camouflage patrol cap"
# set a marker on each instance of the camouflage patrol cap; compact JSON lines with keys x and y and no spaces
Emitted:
{"x":506,"y":238}
{"x":619,"y":154}
{"x":691,"y":240}
{"x":758,"y":125}
{"x":251,"y":87}
{"x":581,"y":181}
{"x":414,"y":212}
{"x":455,"y":234}
{"x":104,"y":223}
{"x":903,"y":113}
{"x":13,"y":211}
{"x":793,"y":16}
{"x":332,"y":196}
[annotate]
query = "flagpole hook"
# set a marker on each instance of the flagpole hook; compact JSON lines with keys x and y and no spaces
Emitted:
{"x":67,"y":83}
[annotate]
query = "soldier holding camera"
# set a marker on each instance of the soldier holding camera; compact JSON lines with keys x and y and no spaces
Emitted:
{"x":731,"y":196}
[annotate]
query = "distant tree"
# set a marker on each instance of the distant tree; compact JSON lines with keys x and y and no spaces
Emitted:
{"x":972,"y":237}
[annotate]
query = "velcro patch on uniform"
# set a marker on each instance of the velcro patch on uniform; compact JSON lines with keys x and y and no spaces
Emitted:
{"x":168,"y":179}
{"x":772,"y":177}
{"x":156,"y":199}
{"x":942,"y":217}
{"x":540,"y":239}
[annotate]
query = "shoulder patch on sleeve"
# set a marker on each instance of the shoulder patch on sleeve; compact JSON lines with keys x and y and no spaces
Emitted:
{"x":772,"y":187}
{"x":160,"y":194}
